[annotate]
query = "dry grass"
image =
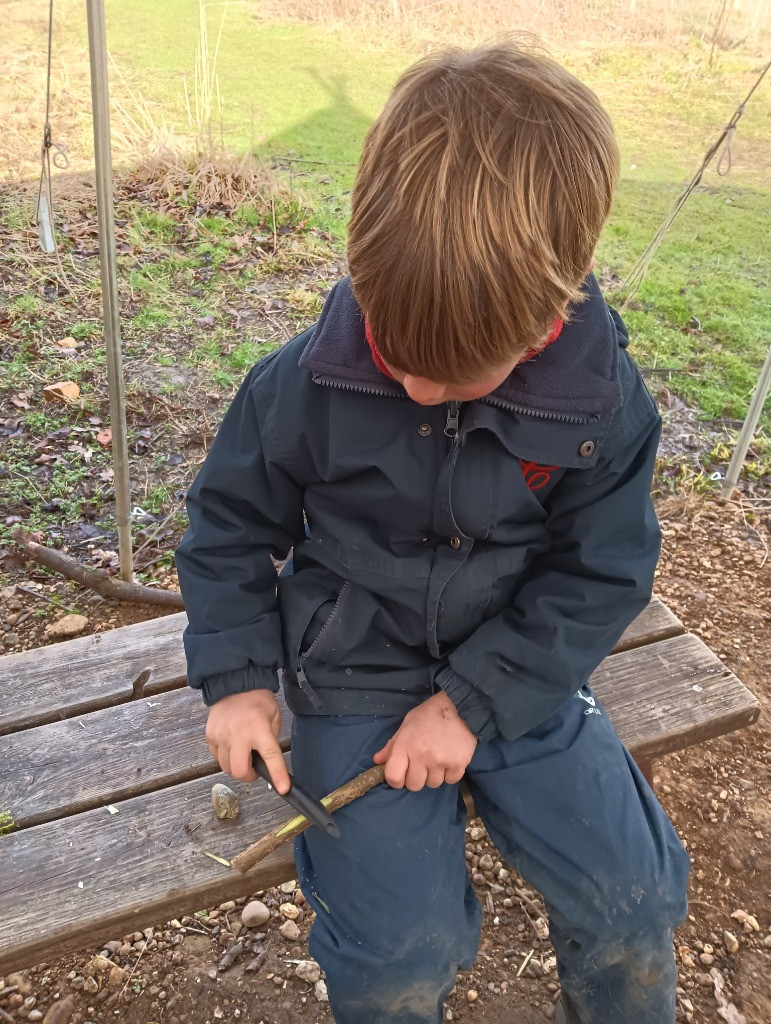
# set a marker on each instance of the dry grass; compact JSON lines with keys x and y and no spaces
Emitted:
{"x":727,"y":23}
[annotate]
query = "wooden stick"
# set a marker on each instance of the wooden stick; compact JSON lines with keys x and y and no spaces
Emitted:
{"x":95,"y":579}
{"x":339,"y":798}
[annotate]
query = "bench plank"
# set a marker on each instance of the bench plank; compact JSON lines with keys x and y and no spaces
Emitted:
{"x":65,"y":886}
{"x":76,"y":676}
{"x":72,"y":678}
{"x":66,"y":767}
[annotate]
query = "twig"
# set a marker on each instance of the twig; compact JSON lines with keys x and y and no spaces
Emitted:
{"x":95,"y":579}
{"x":45,"y":597}
{"x":141,"y":953}
{"x":339,"y":798}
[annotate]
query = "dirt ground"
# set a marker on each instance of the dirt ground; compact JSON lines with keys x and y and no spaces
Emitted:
{"x":715,"y":573}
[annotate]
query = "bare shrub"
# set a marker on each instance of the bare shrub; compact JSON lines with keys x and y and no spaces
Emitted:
{"x":600,"y":22}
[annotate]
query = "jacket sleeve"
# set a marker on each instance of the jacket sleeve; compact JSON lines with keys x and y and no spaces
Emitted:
{"x":245,"y":509}
{"x":521,"y":665}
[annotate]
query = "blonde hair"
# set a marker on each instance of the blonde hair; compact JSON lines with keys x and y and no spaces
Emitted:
{"x":479,"y":198}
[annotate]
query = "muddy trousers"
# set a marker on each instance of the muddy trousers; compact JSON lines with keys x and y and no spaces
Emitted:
{"x":566,"y":807}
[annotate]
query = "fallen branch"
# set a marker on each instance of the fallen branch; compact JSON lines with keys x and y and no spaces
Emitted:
{"x":96,"y":579}
{"x":339,"y":798}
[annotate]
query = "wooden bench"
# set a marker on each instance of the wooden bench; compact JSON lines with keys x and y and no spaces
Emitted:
{"x":105,"y":772}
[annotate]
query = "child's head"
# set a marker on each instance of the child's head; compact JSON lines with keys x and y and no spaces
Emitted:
{"x":481,"y":193}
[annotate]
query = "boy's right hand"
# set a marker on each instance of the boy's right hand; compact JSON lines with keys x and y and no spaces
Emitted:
{"x":244,"y":722}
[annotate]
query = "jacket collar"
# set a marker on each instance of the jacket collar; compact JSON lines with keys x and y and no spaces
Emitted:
{"x":576,"y":377}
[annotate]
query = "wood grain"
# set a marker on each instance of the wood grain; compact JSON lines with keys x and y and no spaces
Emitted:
{"x":95,"y":759}
{"x":77,"y":676}
{"x":101,"y":875}
{"x":72,"y":678}
{"x":147,"y":862}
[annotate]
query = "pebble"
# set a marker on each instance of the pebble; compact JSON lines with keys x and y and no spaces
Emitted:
{"x":290,"y":910}
{"x":68,"y":625}
{"x":320,"y":989}
{"x":10,"y":639}
{"x":730,"y":942}
{"x":254,"y":914}
{"x":472,"y":995}
{"x":288,"y":887}
{"x":224,"y":802}
{"x":100,"y":964}
{"x":290,"y":931}
{"x":116,"y":977}
{"x":308,"y":970}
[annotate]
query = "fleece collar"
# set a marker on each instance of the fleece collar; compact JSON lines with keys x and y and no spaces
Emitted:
{"x":575,"y":376}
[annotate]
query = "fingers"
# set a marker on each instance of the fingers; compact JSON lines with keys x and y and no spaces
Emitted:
{"x":454,"y":775}
{"x":396,"y":769}
{"x":435,"y":778}
{"x":384,"y":753}
{"x":274,"y":761}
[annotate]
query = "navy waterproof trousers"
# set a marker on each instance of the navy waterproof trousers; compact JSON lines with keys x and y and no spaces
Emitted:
{"x":566,"y":807}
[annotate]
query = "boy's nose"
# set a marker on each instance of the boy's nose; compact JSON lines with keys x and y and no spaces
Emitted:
{"x":422,"y":391}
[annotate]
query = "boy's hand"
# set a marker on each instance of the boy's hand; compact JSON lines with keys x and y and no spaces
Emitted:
{"x":244,"y":722}
{"x":432,"y":745}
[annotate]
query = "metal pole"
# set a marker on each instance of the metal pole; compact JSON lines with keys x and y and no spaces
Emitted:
{"x":97,"y":47}
{"x":748,"y":430}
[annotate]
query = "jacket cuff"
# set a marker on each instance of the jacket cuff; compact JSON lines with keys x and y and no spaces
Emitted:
{"x":471,"y":704}
{"x":253,"y":677}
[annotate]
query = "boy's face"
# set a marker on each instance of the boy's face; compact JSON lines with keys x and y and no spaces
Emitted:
{"x":429,"y":392}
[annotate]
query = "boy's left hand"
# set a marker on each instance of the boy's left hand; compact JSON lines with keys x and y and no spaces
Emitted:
{"x":433,"y":745}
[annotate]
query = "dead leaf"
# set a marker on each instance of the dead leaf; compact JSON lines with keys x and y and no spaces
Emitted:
{"x":85,"y":453}
{"x":65,"y":391}
{"x":67,"y":343}
{"x":104,"y":437}
{"x":19,"y":402}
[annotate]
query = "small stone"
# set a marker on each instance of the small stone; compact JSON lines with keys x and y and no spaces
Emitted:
{"x":707,"y":959}
{"x":34,"y":1015}
{"x":288,"y":887}
{"x":542,"y":928}
{"x":477,"y":832}
{"x":705,"y":980}
{"x":116,"y":977}
{"x":68,"y":625}
{"x":60,"y":1012}
{"x":472,"y":995}
{"x":100,"y":964}
{"x":308,"y":970}
{"x":10,"y":639}
{"x":254,"y":914}
{"x":290,"y":910}
{"x":730,"y":942}
{"x":486,"y":862}
{"x":224,"y":802}
{"x":90,"y":986}
{"x":290,"y":931}
{"x":320,"y":989}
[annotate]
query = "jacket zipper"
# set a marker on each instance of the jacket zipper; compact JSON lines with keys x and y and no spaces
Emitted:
{"x":451,"y":425}
{"x":452,"y":420}
{"x":500,"y":404}
{"x":302,"y":678}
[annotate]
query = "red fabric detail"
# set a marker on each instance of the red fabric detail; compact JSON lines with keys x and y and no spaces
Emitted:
{"x":376,"y":357}
{"x":556,"y":330}
{"x":536,"y":476}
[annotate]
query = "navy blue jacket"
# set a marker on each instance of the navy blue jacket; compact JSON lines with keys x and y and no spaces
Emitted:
{"x":495,"y":549}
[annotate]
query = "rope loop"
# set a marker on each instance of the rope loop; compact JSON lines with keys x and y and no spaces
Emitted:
{"x":724,"y":163}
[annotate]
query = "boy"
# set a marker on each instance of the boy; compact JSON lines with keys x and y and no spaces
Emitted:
{"x":459,"y":453}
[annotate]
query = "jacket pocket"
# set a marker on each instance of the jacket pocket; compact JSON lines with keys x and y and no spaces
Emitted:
{"x":321,"y":641}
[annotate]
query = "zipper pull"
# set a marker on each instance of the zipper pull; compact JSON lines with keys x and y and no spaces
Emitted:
{"x":305,"y":686}
{"x":453,"y":414}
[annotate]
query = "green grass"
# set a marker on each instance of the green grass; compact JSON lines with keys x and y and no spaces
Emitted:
{"x":302,"y":97}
